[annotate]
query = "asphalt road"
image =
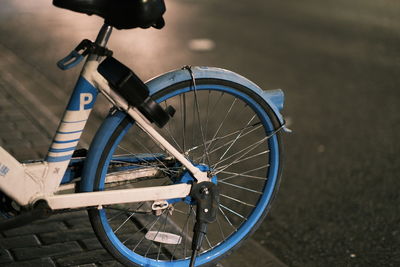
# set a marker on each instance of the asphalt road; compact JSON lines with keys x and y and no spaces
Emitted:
{"x":338,"y":63}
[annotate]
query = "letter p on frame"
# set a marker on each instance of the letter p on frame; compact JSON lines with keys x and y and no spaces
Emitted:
{"x":85,"y":99}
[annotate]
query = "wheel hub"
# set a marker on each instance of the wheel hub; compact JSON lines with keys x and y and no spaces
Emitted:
{"x":187,"y":178}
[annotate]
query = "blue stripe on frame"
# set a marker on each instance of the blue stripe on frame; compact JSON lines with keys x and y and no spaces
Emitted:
{"x":66,"y":141}
{"x":70,"y":132}
{"x":58,"y":150}
{"x":58,"y":159}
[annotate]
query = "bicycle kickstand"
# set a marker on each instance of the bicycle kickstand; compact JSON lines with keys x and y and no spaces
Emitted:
{"x":207,"y":198}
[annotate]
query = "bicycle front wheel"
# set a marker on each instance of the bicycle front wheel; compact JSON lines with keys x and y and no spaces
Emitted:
{"x":223,"y":128}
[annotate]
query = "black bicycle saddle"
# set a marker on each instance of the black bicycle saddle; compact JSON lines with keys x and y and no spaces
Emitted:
{"x":121,"y":14}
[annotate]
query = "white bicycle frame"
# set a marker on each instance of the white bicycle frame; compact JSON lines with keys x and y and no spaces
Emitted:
{"x":29,"y":182}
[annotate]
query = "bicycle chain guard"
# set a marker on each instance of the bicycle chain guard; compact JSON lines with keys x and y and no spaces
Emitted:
{"x":134,"y":91}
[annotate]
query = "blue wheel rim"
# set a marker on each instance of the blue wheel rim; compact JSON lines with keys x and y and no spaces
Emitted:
{"x":246,"y":227}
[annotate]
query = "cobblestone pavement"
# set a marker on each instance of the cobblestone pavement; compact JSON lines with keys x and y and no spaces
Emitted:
{"x":63,"y":239}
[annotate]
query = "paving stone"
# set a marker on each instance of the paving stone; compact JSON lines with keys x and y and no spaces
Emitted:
{"x":19,"y":150}
{"x":78,"y":223}
{"x":59,"y":249}
{"x":251,"y":247}
{"x":6,"y":128}
{"x":19,"y":117}
{"x":84,"y":258}
{"x":110,"y":264}
{"x":43,"y":262}
{"x":37,"y":228}
{"x":5,"y":102}
{"x":27,"y":126}
{"x":68,"y":215}
{"x":67,"y":235}
{"x":23,"y":154}
{"x":92,"y":243}
{"x":5,"y":256}
{"x":15,"y":139}
{"x":86,"y":265}
{"x":13,"y":115}
{"x":41,"y":151}
{"x":19,"y":241}
{"x":39,"y":142}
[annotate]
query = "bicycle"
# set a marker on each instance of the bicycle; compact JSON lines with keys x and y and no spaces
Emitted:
{"x":186,"y":193}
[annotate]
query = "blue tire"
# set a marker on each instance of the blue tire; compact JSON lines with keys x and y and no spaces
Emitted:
{"x":220,"y":125}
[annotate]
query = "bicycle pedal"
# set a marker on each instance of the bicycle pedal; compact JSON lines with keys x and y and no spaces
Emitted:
{"x":163,"y":237}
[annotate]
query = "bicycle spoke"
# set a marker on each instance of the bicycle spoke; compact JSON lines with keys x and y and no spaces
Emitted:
{"x":193,"y":121}
{"x":242,"y":152}
{"x":166,"y":170}
{"x":207,"y":115}
{"x":181,"y":212}
{"x":242,"y":111}
{"x":233,"y":133}
{"x":168,"y":130}
{"x":200,"y":124}
{"x":214,"y":108}
{"x":239,"y":160}
{"x":226,"y":143}
{"x":139,"y":165}
{"x":223,"y":121}
{"x":237,"y":200}
{"x":138,"y":231}
{"x":187,"y":229}
{"x":249,"y":149}
{"x":141,"y":240}
{"x":237,"y":137}
{"x":157,"y":232}
{"x":208,"y":242}
{"x":129,"y":217}
{"x":234,"y":212}
{"x":220,"y":228}
{"x":181,"y":233}
{"x":183,"y":116}
{"x":244,"y":174}
{"x":227,"y":219}
{"x":115,"y":216}
{"x":127,"y":210}
{"x":159,"y":247}
{"x":241,"y":187}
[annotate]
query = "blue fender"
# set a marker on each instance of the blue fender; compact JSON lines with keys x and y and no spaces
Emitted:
{"x":274,"y":98}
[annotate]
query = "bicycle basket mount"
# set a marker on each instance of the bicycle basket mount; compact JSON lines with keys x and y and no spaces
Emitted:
{"x":121,"y":14}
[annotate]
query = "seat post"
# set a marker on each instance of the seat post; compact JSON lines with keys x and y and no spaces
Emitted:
{"x":102,"y":39}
